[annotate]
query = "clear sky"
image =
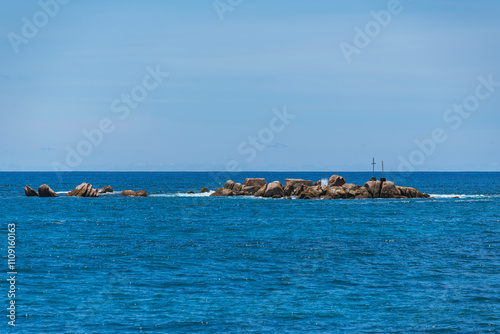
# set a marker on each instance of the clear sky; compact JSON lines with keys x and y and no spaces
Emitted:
{"x":251,"y":85}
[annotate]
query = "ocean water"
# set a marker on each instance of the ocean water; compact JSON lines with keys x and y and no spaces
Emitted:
{"x":177,"y":263}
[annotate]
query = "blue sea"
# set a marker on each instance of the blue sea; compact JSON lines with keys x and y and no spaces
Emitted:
{"x":178,"y":263}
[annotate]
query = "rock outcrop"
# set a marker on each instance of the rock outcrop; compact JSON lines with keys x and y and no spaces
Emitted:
{"x":107,"y":189}
{"x":45,"y":191}
{"x":204,"y":190}
{"x":83,"y":190}
{"x":337,"y":188}
{"x":30,"y":192}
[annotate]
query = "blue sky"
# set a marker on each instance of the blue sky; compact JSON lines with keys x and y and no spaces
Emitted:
{"x":229,"y":78}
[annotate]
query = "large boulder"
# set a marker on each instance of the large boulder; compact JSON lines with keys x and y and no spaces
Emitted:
{"x":374,"y":188}
{"x":274,"y":189}
{"x":261,"y":192}
{"x":83,"y":190}
{"x":363,"y":193}
{"x":128,"y":193}
{"x":107,"y":189}
{"x":294,"y":186}
{"x":335,"y":192}
{"x":351,"y":190}
{"x":314,"y":192}
{"x":336,"y":181}
{"x":389,"y":190}
{"x":45,"y":191}
{"x":255,"y":183}
{"x":237,"y":187}
{"x":251,"y":190}
{"x":411,"y":192}
{"x":229,"y":185}
{"x":30,"y":192}
{"x":140,"y":193}
{"x":204,"y":190}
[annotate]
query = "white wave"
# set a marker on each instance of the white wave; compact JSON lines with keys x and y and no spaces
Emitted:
{"x":324,"y":182}
{"x":116,"y":192}
{"x":460,"y":196}
{"x":183,"y":195}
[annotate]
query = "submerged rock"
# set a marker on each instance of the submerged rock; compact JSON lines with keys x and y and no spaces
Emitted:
{"x":190,"y":192}
{"x":30,"y":192}
{"x":45,"y":191}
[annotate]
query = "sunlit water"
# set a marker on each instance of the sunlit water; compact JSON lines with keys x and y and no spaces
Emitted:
{"x":192,"y":263}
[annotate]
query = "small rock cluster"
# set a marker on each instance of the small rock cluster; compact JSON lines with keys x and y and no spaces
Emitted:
{"x":43,"y":191}
{"x":202,"y":191}
{"x":83,"y":190}
{"x":303,"y":189}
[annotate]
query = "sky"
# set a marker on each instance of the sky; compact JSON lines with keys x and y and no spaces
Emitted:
{"x":249,"y":85}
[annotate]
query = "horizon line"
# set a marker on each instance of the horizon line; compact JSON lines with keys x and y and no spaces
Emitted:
{"x":248,"y":171}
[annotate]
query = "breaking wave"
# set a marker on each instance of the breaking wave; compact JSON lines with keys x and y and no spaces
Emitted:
{"x":462,"y":196}
{"x":183,"y":195}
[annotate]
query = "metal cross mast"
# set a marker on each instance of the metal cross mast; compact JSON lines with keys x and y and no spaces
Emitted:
{"x":373,"y":163}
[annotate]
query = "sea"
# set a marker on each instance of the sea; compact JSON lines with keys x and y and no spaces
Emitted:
{"x":180,"y":263}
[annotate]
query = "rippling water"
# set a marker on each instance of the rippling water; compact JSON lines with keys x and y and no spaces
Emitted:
{"x":191,"y":263}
